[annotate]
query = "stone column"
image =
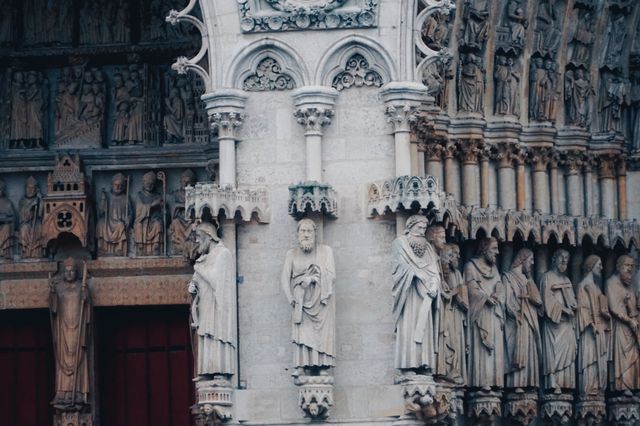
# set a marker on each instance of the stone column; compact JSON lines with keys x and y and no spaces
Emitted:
{"x":450,"y":150}
{"x":622,"y":189}
{"x":573,"y":165}
{"x":589,"y":204}
{"x":608,"y":188}
{"x":539,"y":160}
{"x":521,"y":192}
{"x":469,"y":151}
{"x":485,"y":156}
{"x":402,"y":100}
{"x":225,"y":108}
{"x":433,"y":151}
{"x":506,"y":178}
{"x":553,"y":184}
{"x":314,"y":109}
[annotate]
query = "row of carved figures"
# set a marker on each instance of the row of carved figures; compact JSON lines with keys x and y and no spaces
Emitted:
{"x":143,"y":220}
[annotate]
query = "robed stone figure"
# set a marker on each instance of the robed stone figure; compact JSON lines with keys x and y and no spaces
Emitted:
{"x":624,"y":311}
{"x":148,"y":227}
{"x":7,"y":222}
{"x":559,"y":333}
{"x":416,"y":286}
{"x":71,"y":316}
{"x":114,"y":218}
{"x":31,"y":209}
{"x":593,"y":330}
{"x":486,"y":318}
{"x":452,"y":319}
{"x":522,"y":329}
{"x":182,"y":226}
{"x":213,"y":308}
{"x":308,"y":279}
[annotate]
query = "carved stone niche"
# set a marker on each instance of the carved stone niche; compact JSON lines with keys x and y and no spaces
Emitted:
{"x":243,"y":200}
{"x":214,"y":402}
{"x":312,"y":197}
{"x":289,"y":15}
{"x":521,"y":408}
{"x":404,"y":192}
{"x":315,"y":395}
{"x":66,"y":208}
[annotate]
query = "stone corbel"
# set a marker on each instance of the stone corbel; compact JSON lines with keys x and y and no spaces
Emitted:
{"x":214,"y":402}
{"x":404,"y":192}
{"x":521,"y":408}
{"x":315,"y":395}
{"x":314,"y":110}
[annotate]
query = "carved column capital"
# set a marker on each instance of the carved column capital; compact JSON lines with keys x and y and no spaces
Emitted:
{"x":469,"y":150}
{"x":450,"y":149}
{"x":402,"y":100}
{"x":539,"y":158}
{"x":621,"y":166}
{"x":434,"y":150}
{"x":573,"y":161}
{"x":226,"y":111}
{"x":504,"y":153}
{"x":314,"y":107}
{"x":401,"y":116}
{"x":227,"y":123}
{"x":606,"y":167}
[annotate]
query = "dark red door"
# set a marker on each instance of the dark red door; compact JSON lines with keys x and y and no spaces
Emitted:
{"x":27,"y":368}
{"x":146,"y":366}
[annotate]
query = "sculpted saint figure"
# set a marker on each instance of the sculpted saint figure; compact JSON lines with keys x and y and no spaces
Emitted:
{"x":7,"y":222}
{"x":308,"y":279}
{"x":181,"y":228}
{"x":213,"y":308}
{"x":416,"y":284}
{"x":148,"y":225}
{"x":114,"y":218}
{"x":70,"y":307}
{"x":593,"y":330}
{"x":486,"y":317}
{"x":577,"y":92}
{"x":624,"y":311}
{"x":470,"y":84}
{"x":452,"y":318}
{"x":559,"y":336}
{"x":522,"y":330}
{"x":31,"y":210}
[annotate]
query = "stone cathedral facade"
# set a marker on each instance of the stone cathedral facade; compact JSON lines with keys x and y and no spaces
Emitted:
{"x":278,"y":212}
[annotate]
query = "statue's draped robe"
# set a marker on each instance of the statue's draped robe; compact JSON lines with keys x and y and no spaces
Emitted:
{"x":31,"y":210}
{"x":414,"y":310}
{"x":593,"y":330}
{"x":147,"y":229}
{"x":313,"y":325}
{"x":486,"y":324}
{"x":522,"y":331}
{"x":114,"y":220}
{"x":7,"y":224}
{"x":70,"y":330}
{"x":181,"y":228}
{"x":452,"y":318}
{"x":214,"y":306}
{"x":626,"y":359}
{"x":559,"y":334}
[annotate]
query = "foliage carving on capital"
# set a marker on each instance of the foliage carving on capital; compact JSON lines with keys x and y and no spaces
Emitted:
{"x":469,"y":150}
{"x":401,"y":116}
{"x":314,"y":119}
{"x":433,"y":149}
{"x":606,"y":167}
{"x":227,"y":123}
{"x":539,"y":157}
{"x":573,"y":161}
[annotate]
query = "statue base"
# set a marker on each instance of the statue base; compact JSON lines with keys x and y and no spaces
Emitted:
{"x":72,"y":418}
{"x":428,"y":402}
{"x":557,"y":409}
{"x":591,"y":410}
{"x":214,"y":401}
{"x":624,"y":410}
{"x":485,"y":407}
{"x":521,"y":408}
{"x":315,"y":396}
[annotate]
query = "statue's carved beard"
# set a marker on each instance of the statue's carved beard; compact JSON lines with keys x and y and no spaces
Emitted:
{"x":418,"y":245}
{"x":626,"y":277}
{"x":307,"y":246}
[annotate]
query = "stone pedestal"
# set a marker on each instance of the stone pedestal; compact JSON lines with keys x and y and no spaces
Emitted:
{"x":485,"y":407}
{"x":624,"y":410}
{"x":428,"y":402}
{"x":591,"y":410}
{"x":557,"y":409}
{"x":521,"y":408}
{"x":214,"y":399}
{"x":315,"y":395}
{"x":72,"y":418}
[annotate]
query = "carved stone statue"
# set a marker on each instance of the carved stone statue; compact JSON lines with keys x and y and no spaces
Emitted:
{"x":616,"y":36}
{"x":548,"y":28}
{"x":475,"y":26}
{"x":507,"y":82}
{"x":122,"y":106}
{"x":148,"y":226}
{"x":308,"y":279}
{"x":471,"y":84}
{"x":522,"y":330}
{"x":114,"y":218}
{"x":435,"y":30}
{"x":614,"y":95}
{"x":182,"y":227}
{"x":542,"y":89}
{"x":213,"y":308}
{"x":577,"y":92}
{"x":174,"y":119}
{"x":452,"y":319}
{"x":517,"y":22}
{"x":593,"y":330}
{"x":583,"y":39}
{"x":486,"y":318}
{"x":71,"y":316}
{"x":7,"y":222}
{"x":624,"y":311}
{"x":135,"y":88}
{"x":31,"y":209}
{"x":559,"y":335}
{"x":634,"y":95}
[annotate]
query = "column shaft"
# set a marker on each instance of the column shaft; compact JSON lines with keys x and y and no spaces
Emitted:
{"x":553,"y":185}
{"x":484,"y":182}
{"x":469,"y":184}
{"x":403,"y":152}
{"x":574,"y":202}
{"x":622,"y":197}
{"x":520,"y":188}
{"x":506,"y":188}
{"x":541,"y":191}
{"x":314,"y":157}
{"x":227,"y":161}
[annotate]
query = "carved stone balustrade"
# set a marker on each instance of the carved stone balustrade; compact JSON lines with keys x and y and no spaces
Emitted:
{"x":404,"y":192}
{"x":244,"y":200}
{"x":314,"y":197}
